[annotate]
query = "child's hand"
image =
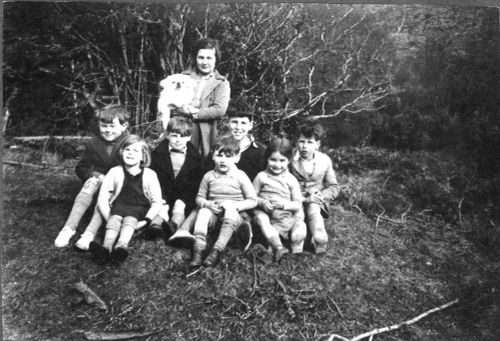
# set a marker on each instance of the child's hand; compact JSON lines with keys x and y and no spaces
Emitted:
{"x":213,"y":206}
{"x":91,"y":182}
{"x":317,"y":198}
{"x":267,"y":206}
{"x":277,"y":205}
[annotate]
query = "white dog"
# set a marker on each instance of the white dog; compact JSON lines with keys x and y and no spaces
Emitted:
{"x":178,"y":89}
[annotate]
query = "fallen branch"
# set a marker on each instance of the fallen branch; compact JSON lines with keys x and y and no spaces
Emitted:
{"x":90,"y":296}
{"x":22,"y":164}
{"x":336,"y":306}
{"x":126,"y":335}
{"x":395,"y":326}
{"x":47,"y":137}
{"x":254,"y":282}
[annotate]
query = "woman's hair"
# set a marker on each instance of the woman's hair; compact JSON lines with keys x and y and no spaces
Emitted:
{"x":281,"y":145}
{"x":131,"y":139}
{"x":204,"y":43}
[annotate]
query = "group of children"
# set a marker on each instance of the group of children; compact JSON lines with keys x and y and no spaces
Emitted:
{"x":179,"y":195}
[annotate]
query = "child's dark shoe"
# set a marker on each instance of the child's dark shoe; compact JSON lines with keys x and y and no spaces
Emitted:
{"x":99,"y":253}
{"x":119,"y":254}
{"x":153,"y":232}
{"x":169,"y":228}
{"x":280,"y":253}
{"x":212,"y":258}
{"x":196,"y":260}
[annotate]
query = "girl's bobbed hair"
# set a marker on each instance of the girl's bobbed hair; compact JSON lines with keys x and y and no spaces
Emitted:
{"x":131,"y":139}
{"x":281,"y":145}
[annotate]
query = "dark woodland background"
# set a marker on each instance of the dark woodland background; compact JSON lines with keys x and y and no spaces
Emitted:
{"x":401,"y":78}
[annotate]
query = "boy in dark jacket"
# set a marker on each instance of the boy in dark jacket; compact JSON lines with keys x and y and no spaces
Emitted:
{"x":99,"y":156}
{"x":179,"y":168}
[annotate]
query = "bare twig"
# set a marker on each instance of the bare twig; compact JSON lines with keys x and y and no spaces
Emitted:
{"x":200,"y":269}
{"x":460,"y":212}
{"x":336,"y":306}
{"x":90,"y":296}
{"x":254,"y":283}
{"x":403,"y":216}
{"x":378,"y":219}
{"x":125,"y":335}
{"x":395,"y":326}
{"x":22,"y":164}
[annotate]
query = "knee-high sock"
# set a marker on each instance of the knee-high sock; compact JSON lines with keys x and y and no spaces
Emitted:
{"x":226,"y":232}
{"x":95,"y":223}
{"x":82,"y":203}
{"x":200,"y":242}
{"x":112,"y":230}
{"x":317,"y":224}
{"x":127,"y":231}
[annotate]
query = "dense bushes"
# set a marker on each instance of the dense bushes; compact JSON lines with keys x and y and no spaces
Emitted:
{"x":379,"y":181}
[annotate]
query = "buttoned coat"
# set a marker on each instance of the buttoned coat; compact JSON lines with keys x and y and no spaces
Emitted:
{"x":214,"y":102}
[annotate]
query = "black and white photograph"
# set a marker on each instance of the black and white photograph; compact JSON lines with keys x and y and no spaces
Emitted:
{"x":246,"y":171}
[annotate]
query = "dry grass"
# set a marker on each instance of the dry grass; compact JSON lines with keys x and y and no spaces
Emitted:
{"x":375,"y":273}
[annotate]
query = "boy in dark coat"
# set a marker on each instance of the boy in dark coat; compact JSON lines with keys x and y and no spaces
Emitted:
{"x":179,"y":168}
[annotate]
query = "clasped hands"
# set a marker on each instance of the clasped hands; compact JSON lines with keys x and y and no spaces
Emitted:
{"x":229,"y":208}
{"x":314,"y":196}
{"x":271,"y":205}
{"x":186,"y":109}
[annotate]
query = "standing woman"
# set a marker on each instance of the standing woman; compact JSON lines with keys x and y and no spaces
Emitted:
{"x":211,"y":95}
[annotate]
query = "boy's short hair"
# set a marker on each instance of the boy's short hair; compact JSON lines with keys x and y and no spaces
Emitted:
{"x":241,"y":107}
{"x":110,"y":112}
{"x":227,"y":145}
{"x":238,"y":113}
{"x":311,"y":130}
{"x":131,"y":139}
{"x":180,"y":125}
{"x":281,"y":145}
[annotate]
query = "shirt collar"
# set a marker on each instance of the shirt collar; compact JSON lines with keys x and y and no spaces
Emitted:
{"x":297,"y":157}
{"x":181,"y":151}
{"x":233,"y":173}
{"x":283,"y":174}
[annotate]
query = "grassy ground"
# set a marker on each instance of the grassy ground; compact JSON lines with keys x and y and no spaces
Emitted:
{"x":376,"y":273}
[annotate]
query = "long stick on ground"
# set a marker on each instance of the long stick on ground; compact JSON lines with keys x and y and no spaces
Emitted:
{"x":395,"y":326}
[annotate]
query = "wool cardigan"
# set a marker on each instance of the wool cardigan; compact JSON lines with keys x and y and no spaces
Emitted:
{"x":112,"y":186}
{"x":214,"y":102}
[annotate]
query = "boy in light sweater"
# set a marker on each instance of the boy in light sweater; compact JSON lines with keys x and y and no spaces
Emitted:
{"x":225,"y":192}
{"x":313,"y":169}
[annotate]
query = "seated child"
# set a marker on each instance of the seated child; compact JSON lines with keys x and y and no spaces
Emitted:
{"x":318,"y":182}
{"x":224,"y":193}
{"x":179,"y":168}
{"x":279,"y":200}
{"x":250,"y":162}
{"x":100,"y":154}
{"x":129,"y":193}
